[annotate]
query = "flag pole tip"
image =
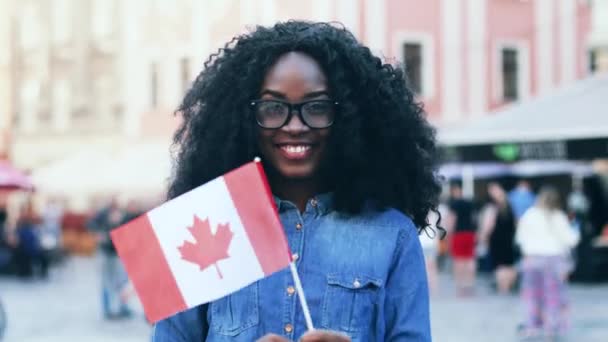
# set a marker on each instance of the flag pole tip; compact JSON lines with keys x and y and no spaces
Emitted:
{"x":257,"y":159}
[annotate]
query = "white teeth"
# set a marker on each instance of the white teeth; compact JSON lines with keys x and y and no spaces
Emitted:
{"x":296,"y":148}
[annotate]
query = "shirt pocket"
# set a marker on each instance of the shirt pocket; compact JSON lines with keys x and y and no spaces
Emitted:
{"x":349,"y":303}
{"x":233,"y":314}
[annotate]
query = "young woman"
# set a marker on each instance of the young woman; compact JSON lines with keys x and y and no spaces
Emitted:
{"x":461,"y":225}
{"x":350,"y":159}
{"x":498,"y":229}
{"x":546,"y":238}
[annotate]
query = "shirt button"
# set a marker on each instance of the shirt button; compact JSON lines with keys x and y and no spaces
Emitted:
{"x":295,"y":256}
{"x":288,"y":328}
{"x":313,"y":202}
{"x":356,"y":284}
{"x":298,"y":226}
{"x":291,"y":290}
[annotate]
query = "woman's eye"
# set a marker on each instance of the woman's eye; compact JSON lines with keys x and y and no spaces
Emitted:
{"x":318,"y":108}
{"x":272,"y":108}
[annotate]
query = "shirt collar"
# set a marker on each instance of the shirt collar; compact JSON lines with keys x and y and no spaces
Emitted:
{"x":321,"y":203}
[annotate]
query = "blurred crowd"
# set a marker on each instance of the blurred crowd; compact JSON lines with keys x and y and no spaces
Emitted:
{"x":525,"y":241}
{"x":37,"y":233}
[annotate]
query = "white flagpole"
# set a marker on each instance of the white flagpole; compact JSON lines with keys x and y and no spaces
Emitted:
{"x":298,"y":283}
{"x":300,"y":290}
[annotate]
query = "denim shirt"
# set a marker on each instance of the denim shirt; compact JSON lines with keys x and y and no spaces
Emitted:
{"x":363,"y":275}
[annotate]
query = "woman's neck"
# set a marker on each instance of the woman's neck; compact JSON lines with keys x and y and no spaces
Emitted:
{"x":297,"y":191}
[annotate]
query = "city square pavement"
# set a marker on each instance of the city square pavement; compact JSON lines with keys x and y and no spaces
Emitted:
{"x":67,"y":308}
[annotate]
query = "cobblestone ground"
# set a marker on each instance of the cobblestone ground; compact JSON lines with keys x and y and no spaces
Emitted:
{"x":67,"y":308}
{"x":494,"y":318}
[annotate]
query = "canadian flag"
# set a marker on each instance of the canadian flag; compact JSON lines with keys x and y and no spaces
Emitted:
{"x":204,"y":244}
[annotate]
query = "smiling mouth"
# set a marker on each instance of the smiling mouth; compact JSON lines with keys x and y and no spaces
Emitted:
{"x":300,"y":151}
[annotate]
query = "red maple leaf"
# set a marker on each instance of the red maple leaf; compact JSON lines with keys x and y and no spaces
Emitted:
{"x":209,"y":248}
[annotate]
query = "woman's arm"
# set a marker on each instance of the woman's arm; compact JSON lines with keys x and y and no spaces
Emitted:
{"x":564,"y":231}
{"x":487,"y":221}
{"x":407,"y":295}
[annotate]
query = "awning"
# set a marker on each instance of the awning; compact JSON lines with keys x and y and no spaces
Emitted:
{"x":12,"y":178}
{"x":528,"y":168}
{"x":136,"y":169}
{"x":570,"y":123}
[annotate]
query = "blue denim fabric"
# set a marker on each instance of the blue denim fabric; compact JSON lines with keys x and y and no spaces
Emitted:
{"x":362,"y":275}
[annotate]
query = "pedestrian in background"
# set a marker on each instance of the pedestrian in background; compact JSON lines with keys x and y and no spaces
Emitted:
{"x":521,"y":198}
{"x":546,"y":238}
{"x":113,"y":274}
{"x":429,"y":240}
{"x":461,"y":224}
{"x":498,"y":233}
{"x":29,"y":255}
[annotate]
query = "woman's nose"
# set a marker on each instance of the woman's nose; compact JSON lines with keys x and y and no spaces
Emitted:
{"x":295,"y":124}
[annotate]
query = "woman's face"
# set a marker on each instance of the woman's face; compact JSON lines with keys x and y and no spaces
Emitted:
{"x":295,"y":150}
{"x":496,"y":193}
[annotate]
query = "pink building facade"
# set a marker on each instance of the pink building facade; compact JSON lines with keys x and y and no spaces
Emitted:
{"x":470,"y":50}
{"x":466,"y":57}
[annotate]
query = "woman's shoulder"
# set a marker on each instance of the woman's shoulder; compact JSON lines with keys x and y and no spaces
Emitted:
{"x":387,"y":219}
{"x":532,"y":212}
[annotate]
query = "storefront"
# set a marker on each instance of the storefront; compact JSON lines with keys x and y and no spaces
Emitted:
{"x":565,"y":132}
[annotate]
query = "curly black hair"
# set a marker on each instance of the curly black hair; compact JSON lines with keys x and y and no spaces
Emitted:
{"x":382,"y":148}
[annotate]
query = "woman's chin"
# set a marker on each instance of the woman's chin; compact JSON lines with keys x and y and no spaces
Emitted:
{"x":296,"y":173}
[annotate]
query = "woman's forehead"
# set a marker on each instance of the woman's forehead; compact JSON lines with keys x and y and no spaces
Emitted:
{"x":295,"y":67}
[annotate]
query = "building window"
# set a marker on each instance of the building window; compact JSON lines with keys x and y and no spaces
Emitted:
{"x":412,"y":55}
{"x":592,"y":61}
{"x":510,"y":74}
{"x":154,"y":85}
{"x":415,"y":50}
{"x":61,"y":21}
{"x":29,"y":27}
{"x":184,"y":69}
{"x":102,"y":16}
{"x":104,"y":96}
{"x":62,"y":102}
{"x":29,"y":100}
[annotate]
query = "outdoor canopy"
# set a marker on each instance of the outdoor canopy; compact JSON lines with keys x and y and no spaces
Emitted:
{"x":138,"y":169}
{"x":570,"y":123}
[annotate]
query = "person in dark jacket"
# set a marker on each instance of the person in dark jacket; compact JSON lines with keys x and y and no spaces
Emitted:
{"x":29,"y":256}
{"x":113,"y":275}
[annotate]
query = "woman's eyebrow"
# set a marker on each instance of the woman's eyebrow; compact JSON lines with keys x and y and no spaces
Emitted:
{"x":279,"y":95}
{"x":316,"y":94}
{"x":273,"y":93}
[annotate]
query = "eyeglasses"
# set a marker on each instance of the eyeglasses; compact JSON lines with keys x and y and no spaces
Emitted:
{"x":274,"y":114}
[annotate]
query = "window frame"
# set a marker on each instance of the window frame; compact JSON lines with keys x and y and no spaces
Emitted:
{"x":523,"y":70}
{"x":427,"y":56}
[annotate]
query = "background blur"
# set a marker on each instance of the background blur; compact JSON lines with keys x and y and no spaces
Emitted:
{"x":516,"y":88}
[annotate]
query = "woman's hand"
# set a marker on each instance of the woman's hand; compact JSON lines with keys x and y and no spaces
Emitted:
{"x":311,"y":336}
{"x":272,"y":338}
{"x":324,"y":336}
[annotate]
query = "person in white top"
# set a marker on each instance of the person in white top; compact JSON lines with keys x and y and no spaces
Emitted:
{"x":429,"y":240}
{"x":546,"y":238}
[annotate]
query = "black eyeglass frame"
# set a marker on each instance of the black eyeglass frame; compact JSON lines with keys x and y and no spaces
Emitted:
{"x":291,"y":107}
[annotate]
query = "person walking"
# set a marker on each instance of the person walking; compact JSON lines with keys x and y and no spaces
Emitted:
{"x":499,"y":227}
{"x":521,"y":198}
{"x":113,"y":274}
{"x":546,"y":239}
{"x":30,"y":258}
{"x":462,"y":228}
